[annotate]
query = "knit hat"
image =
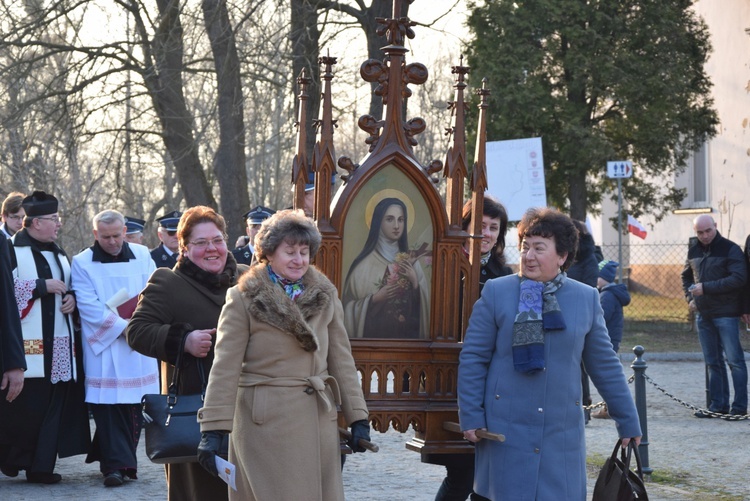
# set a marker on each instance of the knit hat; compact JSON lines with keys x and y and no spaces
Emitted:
{"x":608,"y":270}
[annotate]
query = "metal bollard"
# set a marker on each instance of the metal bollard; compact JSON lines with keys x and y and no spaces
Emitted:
{"x":639,"y":367}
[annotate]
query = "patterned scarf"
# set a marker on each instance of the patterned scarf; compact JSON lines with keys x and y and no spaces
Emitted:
{"x":293,"y":288}
{"x":538,"y":312}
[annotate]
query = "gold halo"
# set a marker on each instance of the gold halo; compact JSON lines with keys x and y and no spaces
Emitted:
{"x":390,"y":193}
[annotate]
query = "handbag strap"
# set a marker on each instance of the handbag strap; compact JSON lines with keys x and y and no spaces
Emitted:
{"x":178,"y":366}
{"x":632,"y":450}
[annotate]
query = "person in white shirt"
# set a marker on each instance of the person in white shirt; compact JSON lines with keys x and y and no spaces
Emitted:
{"x":107,"y":278}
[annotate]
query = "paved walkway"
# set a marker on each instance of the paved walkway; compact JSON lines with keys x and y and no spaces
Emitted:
{"x":708,"y":457}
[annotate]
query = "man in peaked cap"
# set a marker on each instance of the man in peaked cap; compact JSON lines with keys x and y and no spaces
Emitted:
{"x":49,"y":418}
{"x":165,"y":255}
{"x":254,"y":217}
{"x":134,"y":230}
{"x":309,"y":206}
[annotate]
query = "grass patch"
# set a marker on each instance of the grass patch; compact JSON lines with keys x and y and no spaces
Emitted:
{"x":654,"y":308}
{"x":660,"y":337}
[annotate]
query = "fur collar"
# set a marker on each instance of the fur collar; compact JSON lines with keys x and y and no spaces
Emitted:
{"x":269,"y":303}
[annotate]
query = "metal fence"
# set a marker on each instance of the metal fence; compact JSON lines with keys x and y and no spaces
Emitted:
{"x":652,"y":274}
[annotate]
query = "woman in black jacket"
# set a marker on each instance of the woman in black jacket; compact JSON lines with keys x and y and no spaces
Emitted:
{"x":459,"y":468}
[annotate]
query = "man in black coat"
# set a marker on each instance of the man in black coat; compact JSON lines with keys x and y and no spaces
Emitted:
{"x":12,"y":360}
{"x":713,"y":280}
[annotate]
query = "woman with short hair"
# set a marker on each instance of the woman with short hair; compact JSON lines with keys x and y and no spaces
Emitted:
{"x":183,"y":305}
{"x":519,"y":370}
{"x":283,"y":363}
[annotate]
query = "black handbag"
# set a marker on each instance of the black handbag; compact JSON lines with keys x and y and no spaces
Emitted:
{"x":170,"y":421}
{"x":616,"y":481}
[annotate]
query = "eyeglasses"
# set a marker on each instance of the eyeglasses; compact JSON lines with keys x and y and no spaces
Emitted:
{"x":54,"y":219}
{"x":203,"y":243}
{"x":15,"y":218}
{"x":171,"y":233}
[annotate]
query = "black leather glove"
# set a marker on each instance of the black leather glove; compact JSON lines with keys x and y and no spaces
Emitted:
{"x":360,"y":430}
{"x":208,"y":448}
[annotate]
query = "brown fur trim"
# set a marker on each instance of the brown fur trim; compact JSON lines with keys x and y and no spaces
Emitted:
{"x":269,"y":303}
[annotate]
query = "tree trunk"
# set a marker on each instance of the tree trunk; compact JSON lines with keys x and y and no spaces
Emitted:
{"x":165,"y":86}
{"x":229,"y":160}
{"x":368,"y":21}
{"x":577,"y":193}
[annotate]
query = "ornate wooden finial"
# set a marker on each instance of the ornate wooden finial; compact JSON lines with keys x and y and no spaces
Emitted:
{"x":323,"y":161}
{"x":456,"y":168}
{"x":479,"y":173}
{"x":299,"y":163}
{"x":478,"y":186}
{"x":393,"y":76}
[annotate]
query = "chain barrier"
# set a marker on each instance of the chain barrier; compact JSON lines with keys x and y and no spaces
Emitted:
{"x":602,"y":403}
{"x":726,"y":417}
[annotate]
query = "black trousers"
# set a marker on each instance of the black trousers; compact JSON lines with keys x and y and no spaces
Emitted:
{"x":118,"y":430}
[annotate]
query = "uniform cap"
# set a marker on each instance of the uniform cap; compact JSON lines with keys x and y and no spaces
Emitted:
{"x":169,"y":220}
{"x":134,"y":225}
{"x":258,"y":214}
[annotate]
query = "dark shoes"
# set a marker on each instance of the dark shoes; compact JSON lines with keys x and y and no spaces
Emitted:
{"x":113,"y":479}
{"x":36,"y":477}
{"x":9,"y":471}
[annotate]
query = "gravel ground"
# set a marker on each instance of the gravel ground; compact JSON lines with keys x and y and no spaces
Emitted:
{"x":708,"y":457}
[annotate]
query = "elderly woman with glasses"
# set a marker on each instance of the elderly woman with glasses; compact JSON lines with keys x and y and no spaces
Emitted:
{"x":519,"y":370}
{"x":283,"y":363}
{"x":181,"y":307}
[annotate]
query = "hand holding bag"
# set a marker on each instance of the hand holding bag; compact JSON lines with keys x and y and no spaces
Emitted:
{"x":170,"y":421}
{"x":616,"y":481}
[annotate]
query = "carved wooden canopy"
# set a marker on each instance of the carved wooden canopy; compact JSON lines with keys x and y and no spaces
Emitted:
{"x":394,"y":247}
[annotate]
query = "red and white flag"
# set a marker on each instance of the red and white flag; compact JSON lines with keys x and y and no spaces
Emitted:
{"x":636,"y":228}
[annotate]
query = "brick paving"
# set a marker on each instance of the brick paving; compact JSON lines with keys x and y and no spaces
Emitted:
{"x":711,"y":454}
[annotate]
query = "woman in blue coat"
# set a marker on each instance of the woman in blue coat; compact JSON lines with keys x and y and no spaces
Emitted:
{"x":519,"y":372}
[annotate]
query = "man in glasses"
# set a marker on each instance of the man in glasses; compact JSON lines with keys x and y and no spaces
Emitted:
{"x":166,"y":253}
{"x":107,"y":278}
{"x":49,"y":418}
{"x":12,"y":214}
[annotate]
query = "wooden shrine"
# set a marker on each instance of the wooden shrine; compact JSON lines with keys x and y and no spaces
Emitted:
{"x":394,"y":247}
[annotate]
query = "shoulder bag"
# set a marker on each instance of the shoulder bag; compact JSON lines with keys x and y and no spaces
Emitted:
{"x":171,"y":427}
{"x":616,"y":481}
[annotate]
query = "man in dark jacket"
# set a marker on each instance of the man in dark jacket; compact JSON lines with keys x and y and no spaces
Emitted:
{"x":12,"y":360}
{"x":713,"y":279}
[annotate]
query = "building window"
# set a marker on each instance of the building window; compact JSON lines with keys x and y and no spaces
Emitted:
{"x":695,"y":179}
{"x":699,"y":160}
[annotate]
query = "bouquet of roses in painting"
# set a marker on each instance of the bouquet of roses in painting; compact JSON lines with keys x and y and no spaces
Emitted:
{"x":397,"y":276}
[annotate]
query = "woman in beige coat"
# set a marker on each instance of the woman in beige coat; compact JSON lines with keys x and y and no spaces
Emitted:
{"x":283,"y":363}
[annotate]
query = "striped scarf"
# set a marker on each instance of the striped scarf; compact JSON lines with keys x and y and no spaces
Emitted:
{"x":538,"y":312}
